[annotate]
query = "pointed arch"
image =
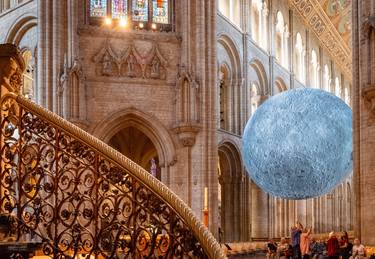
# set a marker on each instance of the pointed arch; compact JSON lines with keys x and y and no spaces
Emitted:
{"x":146,"y":123}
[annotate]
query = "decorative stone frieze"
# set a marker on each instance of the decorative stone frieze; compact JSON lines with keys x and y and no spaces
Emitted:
{"x":131,"y":63}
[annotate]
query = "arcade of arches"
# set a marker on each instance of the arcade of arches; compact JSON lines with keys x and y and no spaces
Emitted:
{"x":192,"y":73}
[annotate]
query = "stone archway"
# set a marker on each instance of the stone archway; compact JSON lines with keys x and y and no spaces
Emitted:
{"x":134,"y":144}
{"x":117,"y":126}
{"x":279,"y":86}
{"x":232,"y":191}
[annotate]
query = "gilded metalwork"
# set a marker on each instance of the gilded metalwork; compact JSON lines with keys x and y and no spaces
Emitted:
{"x":76,"y":195}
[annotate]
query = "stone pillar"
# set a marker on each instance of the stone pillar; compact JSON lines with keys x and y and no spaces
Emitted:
{"x":198,"y":48}
{"x":259,"y":213}
{"x":364,"y":118}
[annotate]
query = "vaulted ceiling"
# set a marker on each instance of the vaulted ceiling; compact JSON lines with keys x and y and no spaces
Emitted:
{"x":330,"y":20}
{"x":339,"y":12}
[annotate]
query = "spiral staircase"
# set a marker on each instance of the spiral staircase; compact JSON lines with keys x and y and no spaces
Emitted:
{"x":66,"y":194}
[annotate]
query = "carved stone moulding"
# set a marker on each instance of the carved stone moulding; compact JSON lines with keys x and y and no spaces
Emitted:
{"x":187,"y":133}
{"x":12,"y":66}
{"x":368,"y":94}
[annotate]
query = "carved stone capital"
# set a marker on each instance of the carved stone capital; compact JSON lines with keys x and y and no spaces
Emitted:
{"x":12,"y":66}
{"x":186,"y":134}
{"x":368,"y":94}
{"x":368,"y":25}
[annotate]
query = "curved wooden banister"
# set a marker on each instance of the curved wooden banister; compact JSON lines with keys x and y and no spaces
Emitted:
{"x":73,"y":194}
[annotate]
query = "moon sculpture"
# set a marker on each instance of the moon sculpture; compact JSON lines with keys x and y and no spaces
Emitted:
{"x":298,"y":144}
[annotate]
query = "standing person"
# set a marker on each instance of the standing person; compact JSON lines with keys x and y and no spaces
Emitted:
{"x":344,"y":246}
{"x":333,"y":246}
{"x":305,"y":243}
{"x":358,"y":251}
{"x":271,"y":249}
{"x":296,"y":237}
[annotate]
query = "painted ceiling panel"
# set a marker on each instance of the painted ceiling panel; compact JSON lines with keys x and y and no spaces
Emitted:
{"x":339,"y":12}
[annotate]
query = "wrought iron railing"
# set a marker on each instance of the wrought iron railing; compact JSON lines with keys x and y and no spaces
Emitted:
{"x":75,"y":195}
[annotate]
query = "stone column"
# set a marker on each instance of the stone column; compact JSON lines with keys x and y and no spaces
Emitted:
{"x":259,"y":213}
{"x":364,"y":118}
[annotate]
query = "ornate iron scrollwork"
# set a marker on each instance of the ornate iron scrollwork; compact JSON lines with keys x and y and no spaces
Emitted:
{"x":74,"y":200}
{"x":67,"y":191}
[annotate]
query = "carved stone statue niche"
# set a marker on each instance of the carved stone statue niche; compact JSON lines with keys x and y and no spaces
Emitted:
{"x":155,"y":68}
{"x":107,"y":67}
{"x":131,"y":63}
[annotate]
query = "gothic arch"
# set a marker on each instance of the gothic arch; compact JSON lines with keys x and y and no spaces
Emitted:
{"x":280,"y":85}
{"x":233,"y":54}
{"x":20,"y":27}
{"x":232,"y":58}
{"x":262,"y":76}
{"x":231,"y":153}
{"x":147,"y":124}
{"x":231,"y":187}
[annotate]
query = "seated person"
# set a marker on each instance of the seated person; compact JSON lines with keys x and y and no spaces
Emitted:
{"x":283,"y":249}
{"x":358,"y":250}
{"x":271,"y":249}
{"x":318,"y":250}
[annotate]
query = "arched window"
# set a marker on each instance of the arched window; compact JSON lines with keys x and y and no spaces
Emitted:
{"x":29,"y":74}
{"x":300,"y":58}
{"x":254,"y":98}
{"x":259,"y":23}
{"x":327,"y":78}
{"x":314,"y":75}
{"x":224,"y":8}
{"x":337,"y":87}
{"x":231,"y":9}
{"x":142,"y":14}
{"x":281,"y":40}
{"x":347,"y":95}
{"x":223,"y":97}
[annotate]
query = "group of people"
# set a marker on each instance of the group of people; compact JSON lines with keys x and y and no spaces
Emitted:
{"x":304,"y":246}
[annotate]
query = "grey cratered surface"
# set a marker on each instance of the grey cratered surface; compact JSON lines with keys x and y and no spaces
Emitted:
{"x":298,"y":144}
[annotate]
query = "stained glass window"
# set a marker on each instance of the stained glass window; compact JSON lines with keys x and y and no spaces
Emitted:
{"x":160,"y":11}
{"x":140,"y":10}
{"x":98,"y":8}
{"x":132,"y":11}
{"x":119,"y":9}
